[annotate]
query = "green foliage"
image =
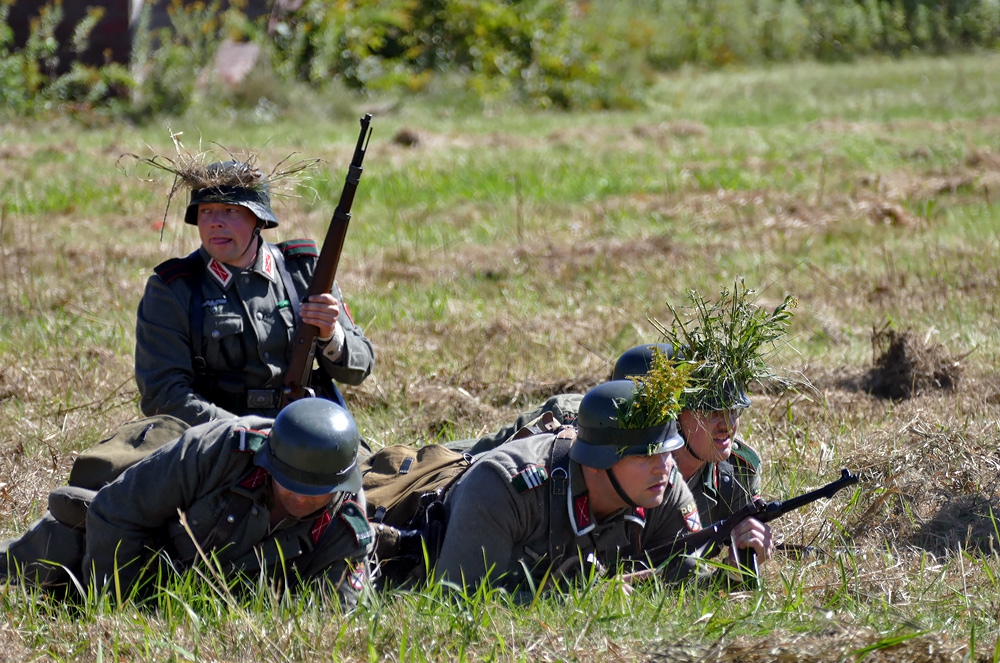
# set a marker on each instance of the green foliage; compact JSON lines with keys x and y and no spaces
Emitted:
{"x":28,"y":76}
{"x":729,"y":342}
{"x":543,"y":53}
{"x":527,"y":51}
{"x":658,"y":394}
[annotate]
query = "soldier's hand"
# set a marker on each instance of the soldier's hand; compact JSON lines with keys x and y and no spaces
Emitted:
{"x":751,"y":533}
{"x":322,"y":311}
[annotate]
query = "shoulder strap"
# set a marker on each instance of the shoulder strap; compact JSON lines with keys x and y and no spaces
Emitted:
{"x":558,"y":487}
{"x":294,"y":300}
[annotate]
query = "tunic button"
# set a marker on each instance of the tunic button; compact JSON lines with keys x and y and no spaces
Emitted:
{"x":216,"y":333}
{"x":230,"y":518}
{"x":260,"y":315}
{"x":253,"y":511}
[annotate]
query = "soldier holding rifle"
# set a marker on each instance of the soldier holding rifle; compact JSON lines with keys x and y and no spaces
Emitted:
{"x":214,"y":335}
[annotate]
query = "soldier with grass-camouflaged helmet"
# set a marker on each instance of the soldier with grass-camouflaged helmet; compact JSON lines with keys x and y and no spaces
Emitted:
{"x":214,"y":329}
{"x":722,"y":471}
{"x":280,"y":499}
{"x":559,"y":504}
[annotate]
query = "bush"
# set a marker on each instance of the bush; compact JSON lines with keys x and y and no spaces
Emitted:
{"x":548,"y":53}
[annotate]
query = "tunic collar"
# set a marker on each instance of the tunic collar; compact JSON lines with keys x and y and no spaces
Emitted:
{"x":263,"y":265}
{"x":581,"y":518}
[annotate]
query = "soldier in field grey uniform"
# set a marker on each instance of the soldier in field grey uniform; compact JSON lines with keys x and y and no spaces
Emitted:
{"x":723,"y":477}
{"x":284,"y":500}
{"x":721,"y":470}
{"x":595,"y":495}
{"x":214,"y":329}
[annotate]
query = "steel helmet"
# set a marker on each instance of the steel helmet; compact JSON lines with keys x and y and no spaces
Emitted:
{"x":638,"y":360}
{"x":600,"y":443}
{"x":726,"y":396}
{"x":249,"y":189}
{"x":313,"y":448}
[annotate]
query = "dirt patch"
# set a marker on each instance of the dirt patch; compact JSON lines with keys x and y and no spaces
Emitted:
{"x":906,"y":365}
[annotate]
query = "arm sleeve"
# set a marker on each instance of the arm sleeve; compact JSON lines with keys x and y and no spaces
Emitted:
{"x":485,"y":521}
{"x":358,"y":357}
{"x":163,"y":367}
{"x":127,"y":515}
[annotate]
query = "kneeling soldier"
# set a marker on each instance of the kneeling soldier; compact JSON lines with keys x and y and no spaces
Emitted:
{"x":279,"y":497}
{"x":596,"y":495}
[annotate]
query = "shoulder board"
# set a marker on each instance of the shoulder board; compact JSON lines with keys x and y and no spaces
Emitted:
{"x":530,"y":477}
{"x":175,"y":268}
{"x":747,"y":456}
{"x":297,"y":248}
{"x":246,"y":440}
{"x":353,"y":515}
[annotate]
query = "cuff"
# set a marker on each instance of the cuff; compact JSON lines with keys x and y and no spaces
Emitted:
{"x":333,"y":347}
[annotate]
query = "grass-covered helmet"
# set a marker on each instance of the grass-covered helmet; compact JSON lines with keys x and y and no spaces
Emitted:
{"x":639,"y":359}
{"x":313,"y":449}
{"x":233,"y":183}
{"x":601,"y":440}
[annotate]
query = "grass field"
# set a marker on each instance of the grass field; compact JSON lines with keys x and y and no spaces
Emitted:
{"x":507,"y":256}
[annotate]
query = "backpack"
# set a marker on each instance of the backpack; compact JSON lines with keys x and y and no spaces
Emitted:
{"x":102,"y":463}
{"x":404,"y":488}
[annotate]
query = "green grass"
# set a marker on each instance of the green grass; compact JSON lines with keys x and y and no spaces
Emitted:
{"x":509,"y":254}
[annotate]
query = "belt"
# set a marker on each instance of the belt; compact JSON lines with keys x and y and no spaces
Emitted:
{"x":262,"y":399}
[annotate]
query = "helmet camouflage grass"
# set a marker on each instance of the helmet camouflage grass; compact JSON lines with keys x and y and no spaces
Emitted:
{"x":313,"y":449}
{"x":728,"y":343}
{"x":233,"y":183}
{"x":634,"y":417}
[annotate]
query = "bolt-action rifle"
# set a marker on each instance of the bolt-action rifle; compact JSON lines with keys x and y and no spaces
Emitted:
{"x":718,"y":534}
{"x":299,"y":373}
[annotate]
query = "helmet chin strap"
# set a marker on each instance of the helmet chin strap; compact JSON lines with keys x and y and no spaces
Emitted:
{"x":687,"y":446}
{"x":618,"y":489}
{"x":254,"y":236}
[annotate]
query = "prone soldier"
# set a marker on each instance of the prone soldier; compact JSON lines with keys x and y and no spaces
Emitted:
{"x":214,"y":329}
{"x":552,"y":503}
{"x":721,"y":470}
{"x":281,"y":498}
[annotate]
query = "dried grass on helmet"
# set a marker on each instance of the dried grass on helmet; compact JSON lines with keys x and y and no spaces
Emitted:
{"x":191,"y":170}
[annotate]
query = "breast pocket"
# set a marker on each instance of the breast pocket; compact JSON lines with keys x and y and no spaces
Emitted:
{"x":225,"y":345}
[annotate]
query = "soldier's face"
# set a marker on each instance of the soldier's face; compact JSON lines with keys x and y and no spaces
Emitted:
{"x":296,"y":505}
{"x":226,"y":231}
{"x":710,"y":433}
{"x":644,"y":478}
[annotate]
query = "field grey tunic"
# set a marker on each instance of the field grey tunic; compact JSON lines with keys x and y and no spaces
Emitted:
{"x":208,"y":474}
{"x":721,"y":489}
{"x":507,"y":513}
{"x":247,"y":329}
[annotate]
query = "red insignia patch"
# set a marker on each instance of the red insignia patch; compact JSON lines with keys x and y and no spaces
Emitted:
{"x":348,"y":312}
{"x":219,"y":272}
{"x":692,"y":520}
{"x":581,"y":509}
{"x":269,"y":265}
{"x":254,"y":479}
{"x":641,"y":511}
{"x":356,"y":578}
{"x":319,"y":527}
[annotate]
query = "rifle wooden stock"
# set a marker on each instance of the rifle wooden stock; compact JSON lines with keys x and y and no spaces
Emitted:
{"x":299,"y":373}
